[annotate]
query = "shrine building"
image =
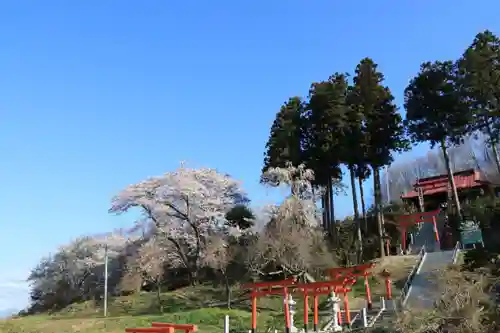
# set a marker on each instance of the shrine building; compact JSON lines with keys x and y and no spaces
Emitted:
{"x":435,"y":191}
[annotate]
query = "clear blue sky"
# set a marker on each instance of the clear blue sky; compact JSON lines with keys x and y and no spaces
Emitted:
{"x":95,"y":95}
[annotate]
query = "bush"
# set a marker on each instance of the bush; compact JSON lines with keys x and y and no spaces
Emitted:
{"x":465,"y":305}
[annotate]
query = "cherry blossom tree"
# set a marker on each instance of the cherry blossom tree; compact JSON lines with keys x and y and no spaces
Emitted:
{"x":218,"y":256}
{"x":185,"y":206}
{"x":297,"y":178}
{"x":151,"y":260}
{"x":300,"y":204}
{"x":292,"y":239}
{"x":75,"y":271}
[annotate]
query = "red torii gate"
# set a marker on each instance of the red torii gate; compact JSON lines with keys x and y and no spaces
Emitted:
{"x":270,"y":288}
{"x":324,"y":288}
{"x":411,"y":219}
{"x":352,"y":272}
{"x":314,"y":289}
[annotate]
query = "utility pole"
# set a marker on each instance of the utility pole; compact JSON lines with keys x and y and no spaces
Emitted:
{"x":105,"y":280}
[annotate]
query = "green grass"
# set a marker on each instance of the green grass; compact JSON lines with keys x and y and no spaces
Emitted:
{"x":193,"y":305}
{"x":208,"y":320}
{"x":186,"y":305}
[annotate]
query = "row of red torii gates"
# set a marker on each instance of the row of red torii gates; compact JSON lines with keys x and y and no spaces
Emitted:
{"x":341,"y":280}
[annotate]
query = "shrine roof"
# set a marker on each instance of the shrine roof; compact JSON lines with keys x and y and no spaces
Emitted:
{"x":439,"y":184}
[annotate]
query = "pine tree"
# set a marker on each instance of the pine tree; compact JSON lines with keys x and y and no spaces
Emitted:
{"x":383,"y":126}
{"x":285,"y":140}
{"x":325,"y":124}
{"x":354,"y":155}
{"x":362,"y":173}
{"x":435,"y":111}
{"x":479,"y":83}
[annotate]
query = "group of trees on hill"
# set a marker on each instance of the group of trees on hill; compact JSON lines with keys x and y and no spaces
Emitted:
{"x":357,"y":124}
{"x":197,"y":224}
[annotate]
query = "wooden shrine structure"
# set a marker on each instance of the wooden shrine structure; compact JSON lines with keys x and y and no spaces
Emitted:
{"x":431,"y":193}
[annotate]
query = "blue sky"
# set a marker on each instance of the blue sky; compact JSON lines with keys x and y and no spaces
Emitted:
{"x":95,"y":95}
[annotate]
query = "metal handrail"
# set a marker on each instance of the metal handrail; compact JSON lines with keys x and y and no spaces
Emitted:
{"x":375,"y":318}
{"x":412,"y":274}
{"x":357,"y":316}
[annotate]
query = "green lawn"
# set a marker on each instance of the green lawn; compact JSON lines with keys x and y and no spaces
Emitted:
{"x":193,"y":305}
{"x":208,"y":320}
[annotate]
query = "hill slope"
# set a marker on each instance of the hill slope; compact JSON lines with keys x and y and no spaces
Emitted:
{"x":194,"y":305}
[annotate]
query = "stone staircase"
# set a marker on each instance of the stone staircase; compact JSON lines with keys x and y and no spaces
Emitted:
{"x":419,"y":290}
{"x":423,"y":290}
{"x":378,"y":313}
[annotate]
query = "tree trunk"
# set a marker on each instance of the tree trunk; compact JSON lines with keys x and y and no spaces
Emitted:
{"x":354,"y":194}
{"x":315,"y":202}
{"x":379,"y":199}
{"x":495,"y":155}
{"x":158,"y":296}
{"x":332,"y":227}
{"x":332,"y":204}
{"x":381,"y":205}
{"x":328,"y":209}
{"x":493,"y":142}
{"x":228,"y":290}
{"x":193,"y":276}
{"x":387,"y":185}
{"x":192,"y":271}
{"x":325,"y":211}
{"x":451,"y":179}
{"x":356,"y":212}
{"x":363,"y":206}
{"x":378,"y":210}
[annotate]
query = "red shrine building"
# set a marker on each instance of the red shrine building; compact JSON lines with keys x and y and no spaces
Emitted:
{"x":434,"y":190}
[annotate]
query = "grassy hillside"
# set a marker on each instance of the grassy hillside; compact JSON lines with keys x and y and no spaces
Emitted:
{"x":189,"y":305}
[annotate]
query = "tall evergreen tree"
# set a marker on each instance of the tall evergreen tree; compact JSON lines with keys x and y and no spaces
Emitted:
{"x":362,"y":173}
{"x":435,"y":111}
{"x":325,"y":124}
{"x":354,"y":154}
{"x":382,"y":126}
{"x":285,"y":140}
{"x":479,"y":81}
